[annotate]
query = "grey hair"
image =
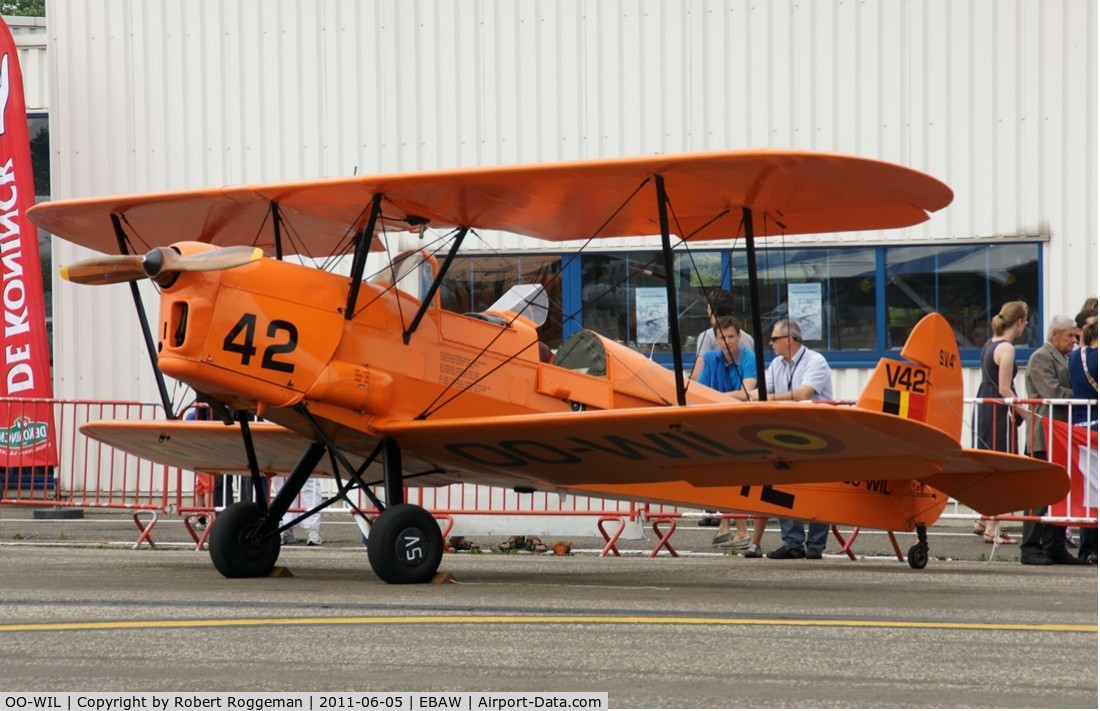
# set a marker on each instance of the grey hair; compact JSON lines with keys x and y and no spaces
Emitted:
{"x":1059,"y":324}
{"x":791,"y":328}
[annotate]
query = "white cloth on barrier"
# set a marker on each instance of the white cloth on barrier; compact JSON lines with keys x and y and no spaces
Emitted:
{"x":1087,"y":464}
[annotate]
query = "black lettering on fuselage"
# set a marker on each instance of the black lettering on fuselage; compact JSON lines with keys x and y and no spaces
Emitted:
{"x":770,"y":495}
{"x":912,"y":379}
{"x":877,"y":486}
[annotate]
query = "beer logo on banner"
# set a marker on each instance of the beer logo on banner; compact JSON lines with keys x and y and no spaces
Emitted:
{"x":24,"y":433}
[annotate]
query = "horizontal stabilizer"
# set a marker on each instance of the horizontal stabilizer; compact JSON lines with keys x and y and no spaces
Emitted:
{"x":1000,"y":483}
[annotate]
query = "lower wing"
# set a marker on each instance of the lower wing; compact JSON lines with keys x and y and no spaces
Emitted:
{"x":706,"y":448}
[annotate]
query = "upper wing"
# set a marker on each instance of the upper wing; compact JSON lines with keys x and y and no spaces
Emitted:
{"x":789,"y":191}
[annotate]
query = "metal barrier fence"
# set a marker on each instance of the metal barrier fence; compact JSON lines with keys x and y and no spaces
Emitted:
{"x":1018,"y":425}
{"x":89,"y":474}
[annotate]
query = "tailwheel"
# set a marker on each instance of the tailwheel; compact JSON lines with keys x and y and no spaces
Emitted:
{"x":918,"y":553}
{"x":242,"y":542}
{"x":918,"y":556}
{"x":405,"y":545}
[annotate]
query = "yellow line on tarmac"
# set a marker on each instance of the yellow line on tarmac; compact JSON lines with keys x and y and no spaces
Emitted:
{"x":535,"y":620}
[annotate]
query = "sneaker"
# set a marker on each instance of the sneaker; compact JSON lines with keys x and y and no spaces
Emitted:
{"x":286,"y":538}
{"x":786,"y":553}
{"x":813,"y":554}
{"x":314,"y":538}
{"x":753,"y":551}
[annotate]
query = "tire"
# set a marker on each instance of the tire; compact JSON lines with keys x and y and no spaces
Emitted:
{"x":918,"y":556}
{"x":234,"y":548}
{"x":405,"y":545}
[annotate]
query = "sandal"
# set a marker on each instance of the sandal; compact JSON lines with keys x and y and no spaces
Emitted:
{"x":535,"y":545}
{"x":721,"y":538}
{"x":461,"y":543}
{"x":1001,"y":539}
{"x":513,"y":543}
{"x":738,"y":543}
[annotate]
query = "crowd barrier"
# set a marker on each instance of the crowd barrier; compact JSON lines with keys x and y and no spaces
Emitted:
{"x":88,"y":474}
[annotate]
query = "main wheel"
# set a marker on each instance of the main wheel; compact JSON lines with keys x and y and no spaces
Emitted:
{"x":918,"y":556}
{"x":239,"y":546}
{"x":405,"y":545}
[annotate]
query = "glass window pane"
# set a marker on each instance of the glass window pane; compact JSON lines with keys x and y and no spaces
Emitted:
{"x":38,"y":128}
{"x":831,"y":293}
{"x":966,"y":284}
{"x":624,"y":297}
{"x":1013,"y":273}
{"x":475,"y":282}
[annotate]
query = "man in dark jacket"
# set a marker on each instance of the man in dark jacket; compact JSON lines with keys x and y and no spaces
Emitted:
{"x":1048,"y":377}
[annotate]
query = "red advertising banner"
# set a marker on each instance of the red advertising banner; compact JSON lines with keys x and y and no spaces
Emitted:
{"x":1075,"y":449}
{"x":27,"y":437}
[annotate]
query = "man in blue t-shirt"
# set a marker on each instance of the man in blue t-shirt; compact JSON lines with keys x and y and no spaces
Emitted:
{"x":730,"y":369}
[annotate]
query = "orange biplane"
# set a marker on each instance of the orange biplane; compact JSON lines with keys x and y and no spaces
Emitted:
{"x":355,"y":375}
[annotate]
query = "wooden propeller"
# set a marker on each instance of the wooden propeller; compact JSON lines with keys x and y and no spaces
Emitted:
{"x":161,"y":265}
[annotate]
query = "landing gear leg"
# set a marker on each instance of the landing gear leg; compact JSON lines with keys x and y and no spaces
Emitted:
{"x":405,"y":544}
{"x":244,"y":540}
{"x":918,"y":553}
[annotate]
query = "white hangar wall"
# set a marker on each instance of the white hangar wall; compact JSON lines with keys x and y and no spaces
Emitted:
{"x":995,"y":97}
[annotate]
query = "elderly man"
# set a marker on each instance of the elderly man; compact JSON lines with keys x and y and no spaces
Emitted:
{"x":1048,"y":377}
{"x":796,"y":373}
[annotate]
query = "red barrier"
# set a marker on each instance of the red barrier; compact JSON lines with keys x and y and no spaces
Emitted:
{"x":93,"y":475}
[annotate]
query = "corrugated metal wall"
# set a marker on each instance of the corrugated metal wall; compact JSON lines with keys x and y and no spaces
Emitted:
{"x":29,"y":34}
{"x":995,"y":97}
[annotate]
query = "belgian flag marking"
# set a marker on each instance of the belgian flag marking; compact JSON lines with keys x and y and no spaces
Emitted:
{"x":904,"y":403}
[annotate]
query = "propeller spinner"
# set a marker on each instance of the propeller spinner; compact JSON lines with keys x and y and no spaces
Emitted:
{"x":161,"y":264}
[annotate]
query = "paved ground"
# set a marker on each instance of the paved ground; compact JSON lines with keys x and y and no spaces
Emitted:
{"x":83,"y":612}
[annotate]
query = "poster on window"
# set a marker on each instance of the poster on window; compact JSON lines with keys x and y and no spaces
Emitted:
{"x":651,"y":315}
{"x":805,"y":308}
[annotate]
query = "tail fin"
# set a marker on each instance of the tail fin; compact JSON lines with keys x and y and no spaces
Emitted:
{"x":929,"y":386}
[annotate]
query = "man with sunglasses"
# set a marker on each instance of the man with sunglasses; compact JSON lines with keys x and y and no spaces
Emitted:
{"x":796,"y":373}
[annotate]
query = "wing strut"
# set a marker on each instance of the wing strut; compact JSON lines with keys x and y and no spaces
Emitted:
{"x":362,"y":248}
{"x":426,"y":303}
{"x":754,"y":300}
{"x":150,"y":345}
{"x":670,"y":292}
{"x":277,"y":226}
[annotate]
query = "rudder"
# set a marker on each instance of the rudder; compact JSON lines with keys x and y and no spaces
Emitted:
{"x":929,"y":387}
